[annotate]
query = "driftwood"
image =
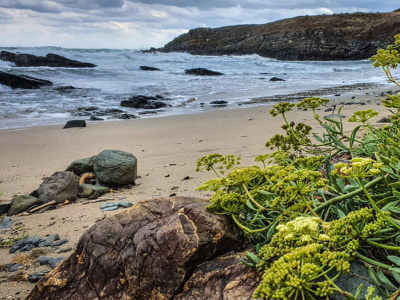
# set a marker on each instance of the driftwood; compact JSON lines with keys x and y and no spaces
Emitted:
{"x":98,"y":200}
{"x":43,"y":205}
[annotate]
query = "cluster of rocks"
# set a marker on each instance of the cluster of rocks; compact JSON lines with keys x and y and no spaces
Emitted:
{"x":31,"y":242}
{"x":145,"y":102}
{"x":110,"y":168}
{"x":29,"y":60}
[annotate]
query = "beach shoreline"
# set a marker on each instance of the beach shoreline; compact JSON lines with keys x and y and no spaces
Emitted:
{"x":167,"y":149}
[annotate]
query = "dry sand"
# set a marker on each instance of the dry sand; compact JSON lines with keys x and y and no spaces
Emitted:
{"x":167,"y":149}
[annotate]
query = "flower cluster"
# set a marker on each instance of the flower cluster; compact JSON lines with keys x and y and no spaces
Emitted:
{"x":217,"y":161}
{"x":312,"y":103}
{"x":281,"y":108}
{"x":363,"y":116}
{"x":360,"y":168}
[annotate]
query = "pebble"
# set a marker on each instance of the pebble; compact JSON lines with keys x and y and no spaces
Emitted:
{"x":54,"y":262}
{"x":50,"y":240}
{"x":115,"y":205}
{"x":60,"y":242}
{"x":35,"y":277}
{"x":44,"y":260}
{"x":13,"y":267}
{"x":64,"y":250}
{"x":7,"y":222}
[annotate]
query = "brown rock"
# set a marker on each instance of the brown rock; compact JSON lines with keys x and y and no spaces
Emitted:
{"x":222,"y":278}
{"x":146,"y":252}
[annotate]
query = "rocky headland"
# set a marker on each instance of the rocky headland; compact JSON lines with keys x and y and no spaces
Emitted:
{"x":325,"y":37}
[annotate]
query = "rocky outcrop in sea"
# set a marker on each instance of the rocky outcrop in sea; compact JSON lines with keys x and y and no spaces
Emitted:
{"x":326,"y":37}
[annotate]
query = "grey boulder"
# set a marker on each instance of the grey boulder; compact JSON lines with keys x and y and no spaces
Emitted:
{"x":60,"y":186}
{"x":115,"y":168}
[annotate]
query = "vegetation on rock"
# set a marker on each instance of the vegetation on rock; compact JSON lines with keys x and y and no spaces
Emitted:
{"x":319,"y":201}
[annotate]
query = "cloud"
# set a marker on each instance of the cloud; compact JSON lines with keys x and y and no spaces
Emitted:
{"x":148,"y":23}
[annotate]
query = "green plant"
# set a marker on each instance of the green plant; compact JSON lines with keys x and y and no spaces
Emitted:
{"x":319,"y":201}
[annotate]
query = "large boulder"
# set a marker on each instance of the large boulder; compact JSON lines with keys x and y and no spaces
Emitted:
{"x":115,"y":168}
{"x":50,"y":60}
{"x":22,"y":81}
{"x":60,"y":186}
{"x":147,"y":252}
{"x":21,"y":203}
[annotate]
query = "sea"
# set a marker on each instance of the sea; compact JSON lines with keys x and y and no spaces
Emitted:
{"x":118,"y":77}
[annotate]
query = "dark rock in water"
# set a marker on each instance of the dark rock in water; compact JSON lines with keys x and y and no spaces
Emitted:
{"x":219,"y":102}
{"x":4,"y":207}
{"x":22,"y":81}
{"x":94,"y":118}
{"x":35,"y":277}
{"x":21,"y":203}
{"x":80,"y":166}
{"x":92,"y":191}
{"x":202,"y":72}
{"x":115,"y":168}
{"x":146,"y":102}
{"x":276,"y":79}
{"x":6,"y":223}
{"x":325,"y":37}
{"x":65,"y":88}
{"x":148,"y":112}
{"x":26,"y":244}
{"x":146,"y":68}
{"x":127,"y":117}
{"x":225,"y":277}
{"x":50,"y":60}
{"x":60,"y":186}
{"x":148,"y":252}
{"x":75,"y":123}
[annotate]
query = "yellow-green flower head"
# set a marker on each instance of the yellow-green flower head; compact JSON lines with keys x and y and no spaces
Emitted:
{"x":363,"y":116}
{"x":281,"y":108}
{"x":360,"y":168}
{"x":312,"y":103}
{"x":242,"y":175}
{"x":392,"y":101}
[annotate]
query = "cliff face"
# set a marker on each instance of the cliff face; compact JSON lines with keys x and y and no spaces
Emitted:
{"x":326,"y":37}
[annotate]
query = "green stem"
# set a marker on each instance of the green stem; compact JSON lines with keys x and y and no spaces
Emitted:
{"x":349,"y":195}
{"x":372,"y":243}
{"x":372,"y":262}
{"x":251,"y":197}
{"x":248,"y":229}
{"x":376,"y":207}
{"x":212,"y":168}
{"x":309,"y":207}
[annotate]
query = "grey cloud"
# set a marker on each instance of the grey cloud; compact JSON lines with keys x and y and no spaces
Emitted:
{"x":92,"y":4}
{"x":37,"y":6}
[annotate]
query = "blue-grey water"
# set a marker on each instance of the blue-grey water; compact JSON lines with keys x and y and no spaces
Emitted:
{"x":118,"y":76}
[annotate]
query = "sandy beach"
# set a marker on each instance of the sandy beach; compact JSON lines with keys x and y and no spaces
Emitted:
{"x":166,"y":148}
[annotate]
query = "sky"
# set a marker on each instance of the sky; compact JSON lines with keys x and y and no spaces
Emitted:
{"x":141,"y":24}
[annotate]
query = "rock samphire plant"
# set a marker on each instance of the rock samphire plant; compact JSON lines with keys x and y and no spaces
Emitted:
{"x":318,"y":202}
